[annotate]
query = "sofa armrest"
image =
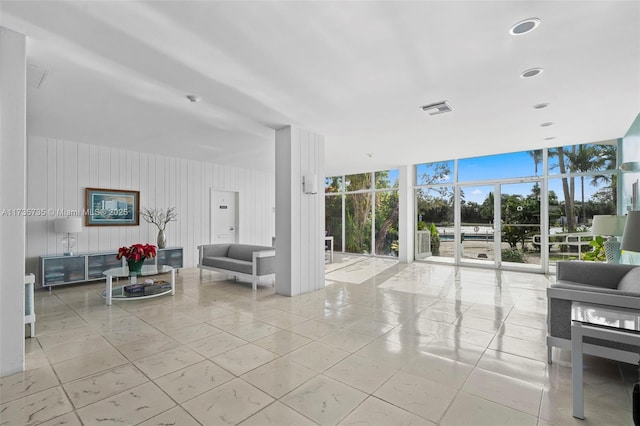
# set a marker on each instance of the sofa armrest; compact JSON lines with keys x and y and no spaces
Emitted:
{"x":561,"y":296}
{"x":264,"y":262}
{"x":595,"y":295}
{"x":592,"y":273}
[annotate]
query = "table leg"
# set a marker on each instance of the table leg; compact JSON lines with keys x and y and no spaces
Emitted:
{"x":576,"y":371}
{"x":173,"y":282}
{"x":107,"y":295}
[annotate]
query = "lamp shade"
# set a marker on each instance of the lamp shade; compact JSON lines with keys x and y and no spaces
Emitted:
{"x":631,"y":236}
{"x":608,"y":225}
{"x":630,"y":166}
{"x":68,"y":225}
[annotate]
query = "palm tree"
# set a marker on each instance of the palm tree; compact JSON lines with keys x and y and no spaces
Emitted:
{"x":609,"y":162}
{"x":536,"y":155}
{"x":586,"y":158}
{"x":567,"y":188}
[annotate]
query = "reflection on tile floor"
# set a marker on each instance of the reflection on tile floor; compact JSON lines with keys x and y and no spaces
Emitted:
{"x":382,"y":344}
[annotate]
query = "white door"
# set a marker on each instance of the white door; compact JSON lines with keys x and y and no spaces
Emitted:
{"x":224,"y":217}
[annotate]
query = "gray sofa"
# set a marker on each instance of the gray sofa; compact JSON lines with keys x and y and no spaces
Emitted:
{"x":240,"y":260}
{"x":596,"y":283}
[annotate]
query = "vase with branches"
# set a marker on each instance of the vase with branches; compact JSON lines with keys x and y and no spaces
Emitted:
{"x":160,"y":218}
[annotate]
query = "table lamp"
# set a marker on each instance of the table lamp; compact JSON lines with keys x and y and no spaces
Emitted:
{"x":611,"y":226}
{"x":68,"y":225}
{"x":631,"y":236}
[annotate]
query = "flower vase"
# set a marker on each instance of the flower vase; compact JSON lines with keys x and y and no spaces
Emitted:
{"x":135,"y":266}
{"x":162,"y":239}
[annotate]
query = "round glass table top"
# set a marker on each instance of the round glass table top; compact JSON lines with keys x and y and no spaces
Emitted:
{"x":146,"y":270}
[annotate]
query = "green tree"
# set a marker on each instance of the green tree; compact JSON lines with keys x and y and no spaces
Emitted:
{"x":582,"y":159}
{"x":387,"y":207}
{"x":568,"y":188}
{"x":358,"y":214}
{"x":536,"y":156}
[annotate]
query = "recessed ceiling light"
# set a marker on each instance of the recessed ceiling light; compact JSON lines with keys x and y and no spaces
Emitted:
{"x":193,"y":98}
{"x":540,"y":106}
{"x":525,"y":26}
{"x":531,"y":72}
{"x":547,"y":124}
{"x":550,"y":138}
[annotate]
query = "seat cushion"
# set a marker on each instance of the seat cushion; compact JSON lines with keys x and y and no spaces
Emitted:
{"x":229,"y":264}
{"x":631,"y":281}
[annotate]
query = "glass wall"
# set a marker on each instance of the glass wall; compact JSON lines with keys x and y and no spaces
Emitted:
{"x":435,"y":222}
{"x":477,"y":224}
{"x":333,"y":220}
{"x":501,"y":199}
{"x":358,"y":223}
{"x":522,"y":210}
{"x":365,"y":210}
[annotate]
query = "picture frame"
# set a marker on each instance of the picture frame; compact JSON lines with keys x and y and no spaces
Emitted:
{"x":112,"y":207}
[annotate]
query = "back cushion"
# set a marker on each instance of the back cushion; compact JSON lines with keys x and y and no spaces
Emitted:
{"x":244,"y":252}
{"x":631,"y":281}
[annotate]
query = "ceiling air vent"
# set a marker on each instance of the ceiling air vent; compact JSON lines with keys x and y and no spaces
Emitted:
{"x":437,"y":108}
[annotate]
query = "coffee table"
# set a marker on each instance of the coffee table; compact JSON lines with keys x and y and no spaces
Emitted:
{"x":601,"y":322}
{"x":117,"y":293}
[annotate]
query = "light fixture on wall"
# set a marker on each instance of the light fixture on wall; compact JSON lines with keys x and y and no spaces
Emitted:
{"x":631,"y":236}
{"x":68,"y":225}
{"x":611,"y":226}
{"x":310,"y":184}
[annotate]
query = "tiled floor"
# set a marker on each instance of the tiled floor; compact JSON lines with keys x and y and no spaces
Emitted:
{"x":382,"y":344}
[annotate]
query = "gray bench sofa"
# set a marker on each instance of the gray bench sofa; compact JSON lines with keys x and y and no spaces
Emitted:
{"x":240,"y":260}
{"x":595,"y":283}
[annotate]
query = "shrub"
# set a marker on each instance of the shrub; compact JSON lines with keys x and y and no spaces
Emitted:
{"x":513,"y":255}
{"x":435,"y":240}
{"x":598,"y":253}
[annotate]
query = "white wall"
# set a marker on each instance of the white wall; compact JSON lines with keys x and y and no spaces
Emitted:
{"x":300,"y":221}
{"x":12,"y":197}
{"x":59,"y":171}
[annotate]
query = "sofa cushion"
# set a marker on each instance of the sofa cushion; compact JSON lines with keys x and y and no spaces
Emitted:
{"x":244,"y":251}
{"x":631,"y":281}
{"x":215,"y":250}
{"x":235,"y":265}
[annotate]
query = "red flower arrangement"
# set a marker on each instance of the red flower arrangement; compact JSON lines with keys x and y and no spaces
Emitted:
{"x":137,"y":252}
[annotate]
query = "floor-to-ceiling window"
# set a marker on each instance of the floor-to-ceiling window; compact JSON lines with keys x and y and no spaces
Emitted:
{"x":386,"y":210}
{"x":523,"y":210}
{"x":333,"y":210}
{"x":435,"y":215}
{"x":582,"y":183}
{"x":518,"y":210}
{"x":361,"y":212}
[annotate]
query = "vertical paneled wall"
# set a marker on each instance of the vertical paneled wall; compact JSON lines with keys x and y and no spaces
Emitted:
{"x":300,"y":221}
{"x":13,"y":113}
{"x":59,"y":171}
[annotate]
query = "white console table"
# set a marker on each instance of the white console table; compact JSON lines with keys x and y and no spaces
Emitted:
{"x":329,"y":239}
{"x":29,"y":309}
{"x":601,"y":322}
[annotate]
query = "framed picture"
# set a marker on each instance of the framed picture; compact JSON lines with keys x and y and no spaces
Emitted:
{"x":112,"y":207}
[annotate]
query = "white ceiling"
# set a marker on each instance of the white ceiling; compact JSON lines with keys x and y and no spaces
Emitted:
{"x":357,"y":72}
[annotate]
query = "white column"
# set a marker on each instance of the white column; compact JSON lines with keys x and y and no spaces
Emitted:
{"x":406,"y":215}
{"x":299,"y":215}
{"x":13,"y":151}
